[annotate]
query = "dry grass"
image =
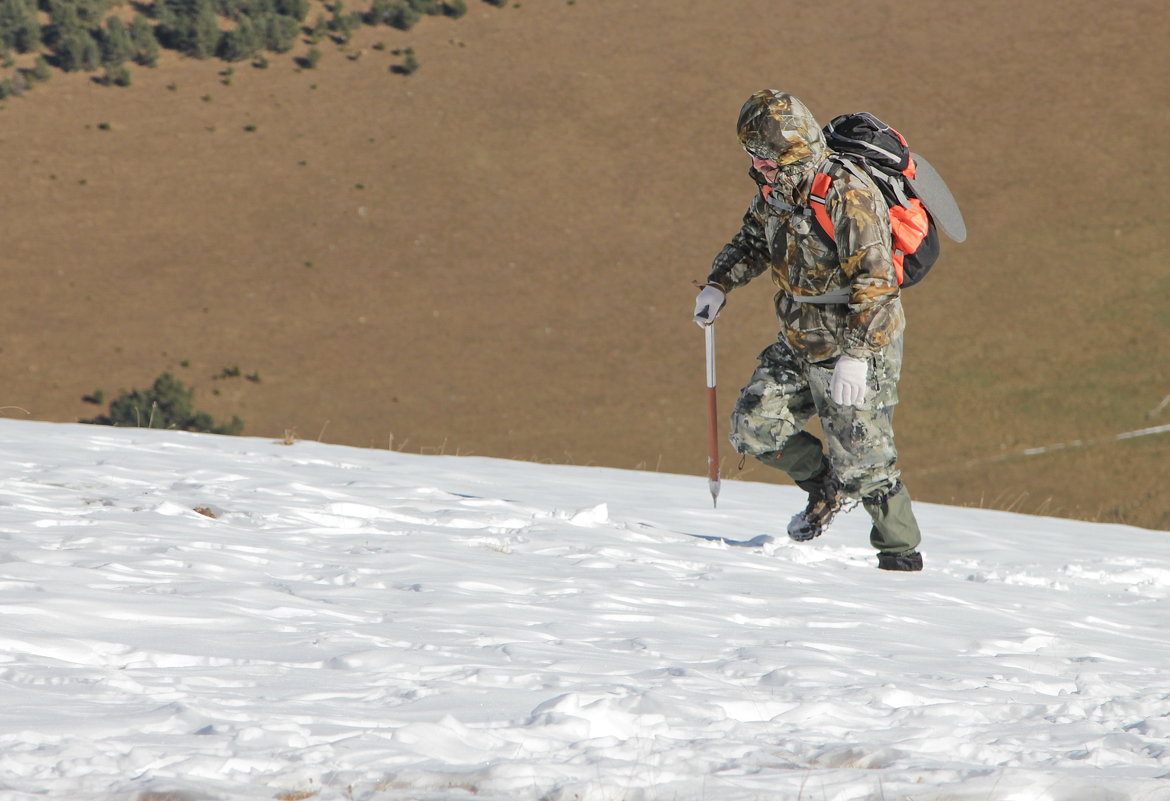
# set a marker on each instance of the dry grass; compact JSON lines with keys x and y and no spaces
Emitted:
{"x":494,"y":255}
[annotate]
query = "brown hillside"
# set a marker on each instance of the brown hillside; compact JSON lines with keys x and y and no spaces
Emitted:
{"x":494,"y":256}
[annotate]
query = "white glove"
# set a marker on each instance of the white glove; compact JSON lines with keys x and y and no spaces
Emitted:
{"x":708,"y":304}
{"x":847,"y":386}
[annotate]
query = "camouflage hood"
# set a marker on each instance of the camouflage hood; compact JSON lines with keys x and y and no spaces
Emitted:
{"x":775,"y":125}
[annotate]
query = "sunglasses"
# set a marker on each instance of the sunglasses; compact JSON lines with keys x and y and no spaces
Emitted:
{"x":758,"y":157}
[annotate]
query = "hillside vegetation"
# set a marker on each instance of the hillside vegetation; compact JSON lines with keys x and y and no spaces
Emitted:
{"x":92,"y":35}
{"x":489,"y":248}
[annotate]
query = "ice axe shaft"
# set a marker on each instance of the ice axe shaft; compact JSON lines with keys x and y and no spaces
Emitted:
{"x":712,"y":418}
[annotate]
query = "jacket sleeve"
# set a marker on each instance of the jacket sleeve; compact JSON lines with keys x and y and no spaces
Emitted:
{"x":745,"y":256}
{"x":860,"y":220}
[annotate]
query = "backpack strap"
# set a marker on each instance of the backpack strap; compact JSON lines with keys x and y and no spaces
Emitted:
{"x":816,"y":199}
{"x":895,"y":184}
{"x":775,"y":202}
{"x":912,"y":224}
{"x":772,"y":199}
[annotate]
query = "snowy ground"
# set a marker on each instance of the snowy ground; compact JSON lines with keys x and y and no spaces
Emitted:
{"x":373,"y":625}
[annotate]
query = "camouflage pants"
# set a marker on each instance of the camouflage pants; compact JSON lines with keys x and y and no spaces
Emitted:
{"x":783,"y":395}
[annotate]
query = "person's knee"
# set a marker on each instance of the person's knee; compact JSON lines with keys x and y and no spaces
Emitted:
{"x":801,"y":456}
{"x":751,"y":435}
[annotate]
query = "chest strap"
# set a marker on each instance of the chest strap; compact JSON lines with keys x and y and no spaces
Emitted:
{"x":827,"y":299}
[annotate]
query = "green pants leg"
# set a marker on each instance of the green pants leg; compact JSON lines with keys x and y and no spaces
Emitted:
{"x":895,"y":530}
{"x":803,"y":457}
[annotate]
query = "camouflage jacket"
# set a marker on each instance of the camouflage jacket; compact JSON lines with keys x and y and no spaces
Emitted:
{"x":803,"y":261}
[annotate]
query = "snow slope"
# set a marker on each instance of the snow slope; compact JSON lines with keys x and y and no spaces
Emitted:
{"x":375,"y":625}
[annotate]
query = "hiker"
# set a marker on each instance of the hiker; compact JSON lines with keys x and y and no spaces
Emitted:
{"x":838,"y":354}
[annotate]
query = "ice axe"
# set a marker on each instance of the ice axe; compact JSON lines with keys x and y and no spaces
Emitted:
{"x":712,"y":418}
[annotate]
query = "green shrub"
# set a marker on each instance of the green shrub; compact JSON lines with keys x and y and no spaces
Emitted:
{"x":401,"y":15}
{"x":116,"y":75}
{"x":63,"y":20}
{"x":278,"y":33}
{"x":232,"y":9}
{"x":297,"y":9}
{"x":377,"y":13}
{"x":319,"y":30}
{"x":410,"y":63}
{"x":342,"y":23}
{"x":41,"y":70}
{"x":241,"y":43}
{"x":77,"y":50}
{"x":189,"y":26}
{"x":20,"y":29}
{"x":167,"y":404}
{"x":90,"y":12}
{"x":146,"y":45}
{"x":116,"y":43}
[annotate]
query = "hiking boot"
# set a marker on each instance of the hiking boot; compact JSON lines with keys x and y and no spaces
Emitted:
{"x":900,"y":561}
{"x":824,"y":501}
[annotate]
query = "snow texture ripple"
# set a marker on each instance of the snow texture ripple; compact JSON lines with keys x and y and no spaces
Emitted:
{"x":339,"y":623}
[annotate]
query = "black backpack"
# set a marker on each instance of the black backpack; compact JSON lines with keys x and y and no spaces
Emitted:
{"x":862,"y":143}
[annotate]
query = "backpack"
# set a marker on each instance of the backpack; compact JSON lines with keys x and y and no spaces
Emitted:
{"x":862,"y":143}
